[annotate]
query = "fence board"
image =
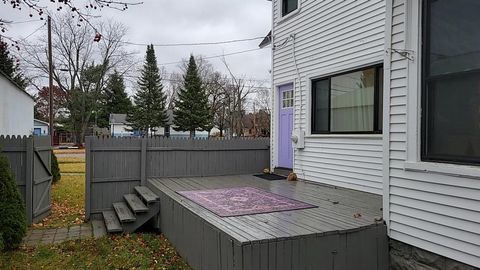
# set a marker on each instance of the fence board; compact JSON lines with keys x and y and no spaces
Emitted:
{"x":116,"y":165}
{"x":30,"y":161}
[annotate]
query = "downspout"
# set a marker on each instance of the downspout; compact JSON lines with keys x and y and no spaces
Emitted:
{"x":272,"y":96}
{"x":293,"y":37}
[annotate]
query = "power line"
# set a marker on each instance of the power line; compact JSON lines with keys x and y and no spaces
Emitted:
{"x":194,"y":43}
{"x":180,"y":81}
{"x":20,"y":22}
{"x":216,"y":56}
{"x":35,"y":31}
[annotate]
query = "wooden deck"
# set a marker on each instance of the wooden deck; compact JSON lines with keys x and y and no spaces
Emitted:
{"x":343,"y":232}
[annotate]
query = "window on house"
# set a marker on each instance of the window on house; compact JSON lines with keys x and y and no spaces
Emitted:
{"x":288,"y":6}
{"x":451,"y":82}
{"x":349,"y":102}
{"x":287,"y":99}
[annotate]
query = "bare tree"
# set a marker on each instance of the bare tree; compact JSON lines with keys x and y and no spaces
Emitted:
{"x":81,"y":66}
{"x":261,"y":106}
{"x":236,"y":93}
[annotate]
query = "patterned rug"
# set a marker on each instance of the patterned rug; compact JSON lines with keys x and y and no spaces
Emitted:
{"x":229,"y":202}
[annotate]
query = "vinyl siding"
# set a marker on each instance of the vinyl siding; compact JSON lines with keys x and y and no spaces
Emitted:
{"x":330,"y":37}
{"x":16,"y":110}
{"x":433,"y":211}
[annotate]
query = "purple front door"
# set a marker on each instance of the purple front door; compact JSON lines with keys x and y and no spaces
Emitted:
{"x":285,"y":126}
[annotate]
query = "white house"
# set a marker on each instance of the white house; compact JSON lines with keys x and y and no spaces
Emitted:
{"x":327,"y":73}
{"x":349,"y":90}
{"x":40,"y":128}
{"x":119,"y":126}
{"x":16,"y":109}
{"x":432,"y":132}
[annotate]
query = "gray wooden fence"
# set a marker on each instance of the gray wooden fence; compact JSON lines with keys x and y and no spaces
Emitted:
{"x":30,"y":161}
{"x":116,"y":165}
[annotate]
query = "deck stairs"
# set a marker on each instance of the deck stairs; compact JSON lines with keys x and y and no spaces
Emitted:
{"x":135,"y":210}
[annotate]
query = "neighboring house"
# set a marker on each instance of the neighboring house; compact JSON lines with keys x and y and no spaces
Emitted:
{"x":40,"y":128}
{"x":342,"y":74}
{"x":16,"y":109}
{"x":119,"y":126}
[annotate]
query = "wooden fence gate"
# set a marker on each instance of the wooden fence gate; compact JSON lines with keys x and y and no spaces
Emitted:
{"x":30,"y":161}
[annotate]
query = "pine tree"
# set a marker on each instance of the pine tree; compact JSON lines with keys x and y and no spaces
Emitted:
{"x":150,"y":100}
{"x":114,"y":99}
{"x":8,"y":67}
{"x":191,"y":110}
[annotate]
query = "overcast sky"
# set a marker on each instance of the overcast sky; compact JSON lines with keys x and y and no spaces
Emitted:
{"x":187,"y":21}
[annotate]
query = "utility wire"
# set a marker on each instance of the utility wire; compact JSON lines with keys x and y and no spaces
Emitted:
{"x":215,"y":56}
{"x":193,"y":44}
{"x":20,"y":22}
{"x":35,"y":31}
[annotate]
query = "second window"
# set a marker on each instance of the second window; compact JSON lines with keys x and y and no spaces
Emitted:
{"x":349,"y":102}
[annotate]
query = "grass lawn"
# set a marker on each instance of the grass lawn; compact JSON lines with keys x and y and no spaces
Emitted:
{"x":136,"y":251}
{"x":68,"y":195}
{"x":71,"y":167}
{"x":69,"y":151}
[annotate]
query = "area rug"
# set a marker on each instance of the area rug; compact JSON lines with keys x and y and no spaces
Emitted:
{"x":230,"y":202}
{"x":270,"y":176}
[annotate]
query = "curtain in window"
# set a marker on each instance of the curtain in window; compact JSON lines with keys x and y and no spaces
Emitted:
{"x":352,"y":101}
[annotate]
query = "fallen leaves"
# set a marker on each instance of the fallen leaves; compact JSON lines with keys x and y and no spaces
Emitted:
{"x":136,"y":251}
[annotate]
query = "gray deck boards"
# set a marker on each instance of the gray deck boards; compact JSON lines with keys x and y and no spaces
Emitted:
{"x":135,"y":203}
{"x":147,"y":195}
{"x":299,"y":239}
{"x":123,"y":212}
{"x":328,"y":217}
{"x":111,"y":222}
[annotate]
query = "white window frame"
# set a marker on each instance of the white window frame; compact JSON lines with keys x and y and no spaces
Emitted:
{"x":289,"y":15}
{"x":290,"y":99}
{"x":331,"y":71}
{"x":413,"y":39}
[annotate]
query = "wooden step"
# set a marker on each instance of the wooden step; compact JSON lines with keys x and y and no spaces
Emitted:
{"x":98,"y":228}
{"x":123,"y":212}
{"x":135,"y":203}
{"x":146,"y":194}
{"x":111,"y":222}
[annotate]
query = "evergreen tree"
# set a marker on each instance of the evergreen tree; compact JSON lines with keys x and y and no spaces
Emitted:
{"x":150,"y":100}
{"x":191,"y":110}
{"x":8,"y":67}
{"x":114,"y":99}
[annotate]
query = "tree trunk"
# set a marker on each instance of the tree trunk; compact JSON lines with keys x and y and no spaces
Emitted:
{"x":192,"y":134}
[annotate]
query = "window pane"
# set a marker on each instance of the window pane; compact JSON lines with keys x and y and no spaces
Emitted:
{"x":453,"y":41}
{"x":453,"y":112}
{"x":352,"y":101}
{"x":320,"y":105}
{"x":289,"y":6}
{"x":380,"y":99}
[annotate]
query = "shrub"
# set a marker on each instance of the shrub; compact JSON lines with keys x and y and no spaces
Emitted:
{"x":13,"y":225}
{"x":55,"y":169}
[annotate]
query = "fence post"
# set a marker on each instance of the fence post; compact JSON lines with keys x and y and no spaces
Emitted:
{"x":143,"y":162}
{"x":88,"y":175}
{"x":29,"y":179}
